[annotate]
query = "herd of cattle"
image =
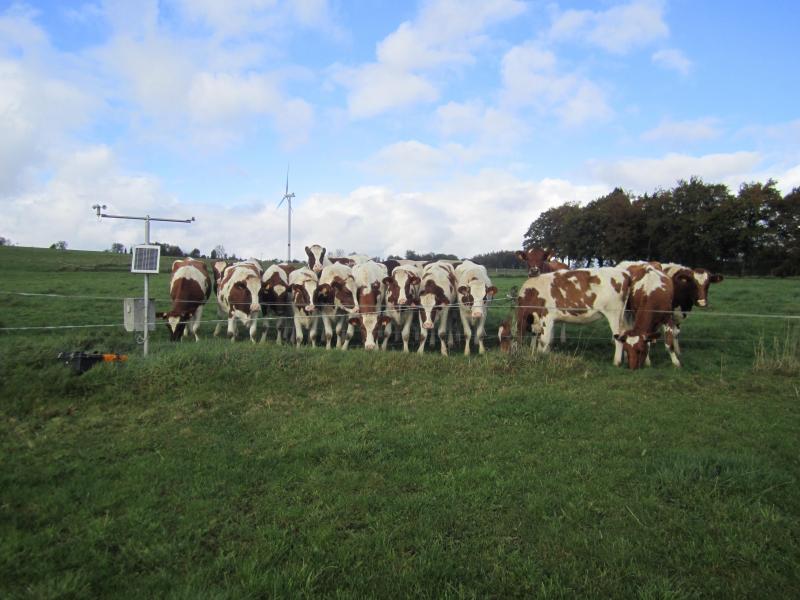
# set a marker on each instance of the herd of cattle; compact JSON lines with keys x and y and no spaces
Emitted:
{"x":640,"y":300}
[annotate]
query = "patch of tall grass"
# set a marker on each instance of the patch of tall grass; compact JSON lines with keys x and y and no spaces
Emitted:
{"x":782,"y":356}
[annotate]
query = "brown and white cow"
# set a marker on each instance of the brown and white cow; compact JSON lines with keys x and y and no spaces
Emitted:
{"x":576,"y":296}
{"x":303,"y":286}
{"x":402,"y":297}
{"x":336,"y":299}
{"x":189,"y":289}
{"x":437,"y":293}
{"x":649,"y":312}
{"x":275,"y":301}
{"x":238,"y":296}
{"x":539,"y":261}
{"x":370,"y":293}
{"x":474,"y":289}
{"x":701,"y":278}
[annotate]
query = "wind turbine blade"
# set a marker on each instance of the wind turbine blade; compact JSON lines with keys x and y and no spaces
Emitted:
{"x":281,"y":202}
{"x":287,"y":179}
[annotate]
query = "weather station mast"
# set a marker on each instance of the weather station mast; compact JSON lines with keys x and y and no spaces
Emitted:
{"x":145,"y":260}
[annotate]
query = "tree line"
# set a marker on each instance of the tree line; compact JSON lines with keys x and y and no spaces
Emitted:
{"x":753,"y":232}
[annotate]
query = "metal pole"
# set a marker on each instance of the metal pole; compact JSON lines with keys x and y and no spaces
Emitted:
{"x":289,"y":253}
{"x":146,"y":292}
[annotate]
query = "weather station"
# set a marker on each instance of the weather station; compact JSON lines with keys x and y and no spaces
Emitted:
{"x":139,"y":313}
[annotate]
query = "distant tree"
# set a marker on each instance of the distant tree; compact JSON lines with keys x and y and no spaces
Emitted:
{"x":339,"y":252}
{"x":117,"y":248}
{"x":219,"y":252}
{"x":170,"y":249}
{"x":195,"y":253}
{"x":4,"y":241}
{"x":59,"y":245}
{"x":499,"y":259}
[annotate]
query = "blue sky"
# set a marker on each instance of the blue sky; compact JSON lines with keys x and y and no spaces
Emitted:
{"x":433,"y":125}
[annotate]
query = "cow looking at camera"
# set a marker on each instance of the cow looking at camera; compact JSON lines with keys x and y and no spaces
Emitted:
{"x":474,"y":290}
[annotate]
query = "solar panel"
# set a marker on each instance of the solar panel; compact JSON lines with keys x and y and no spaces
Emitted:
{"x":145,"y":259}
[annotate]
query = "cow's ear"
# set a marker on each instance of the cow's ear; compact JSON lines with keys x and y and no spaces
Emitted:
{"x":491,"y":290}
{"x":716,"y":278}
{"x":620,"y":337}
{"x":522,"y":255}
{"x":296,"y":287}
{"x":462,"y":289}
{"x":161,"y":315}
{"x":308,"y":251}
{"x":388,"y":280}
{"x":376,"y":285}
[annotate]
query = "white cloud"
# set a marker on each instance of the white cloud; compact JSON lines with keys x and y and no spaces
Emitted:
{"x":617,"y":30}
{"x":531,"y":78}
{"x":672,"y":59}
{"x":494,"y":129}
{"x":446,"y":33}
{"x":647,"y":174}
{"x":684,"y":131}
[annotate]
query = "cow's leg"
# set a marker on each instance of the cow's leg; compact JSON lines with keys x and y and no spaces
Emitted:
{"x":387,"y":334}
{"x":616,"y":323}
{"x":544,"y":338}
{"x":423,"y":336}
{"x":481,"y":333}
{"x":671,"y":343}
{"x":348,"y":335}
{"x":232,"y":328}
{"x":312,"y":332}
{"x":467,"y":328}
{"x":253,"y":322}
{"x":338,"y":330}
{"x":563,"y":333}
{"x":326,"y":324}
{"x":298,"y":331}
{"x":407,"y":332}
{"x":195,"y":322}
{"x":443,"y":331}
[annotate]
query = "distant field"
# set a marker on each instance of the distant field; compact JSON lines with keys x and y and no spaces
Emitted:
{"x":234,"y":470}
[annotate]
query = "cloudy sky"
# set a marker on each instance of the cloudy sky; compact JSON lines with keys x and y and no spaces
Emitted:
{"x":444,"y":125}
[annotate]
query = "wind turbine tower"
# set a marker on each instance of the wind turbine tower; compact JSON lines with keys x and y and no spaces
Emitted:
{"x":287,"y":197}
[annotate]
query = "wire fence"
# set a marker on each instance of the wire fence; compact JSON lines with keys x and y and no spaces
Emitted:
{"x":333,"y":312}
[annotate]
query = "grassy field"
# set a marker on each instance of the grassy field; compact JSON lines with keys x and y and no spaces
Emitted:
{"x":234,"y":470}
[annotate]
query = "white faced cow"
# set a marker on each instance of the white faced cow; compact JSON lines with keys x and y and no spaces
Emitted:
{"x":370,"y":292}
{"x":402,"y":296}
{"x":275,"y":301}
{"x":336,"y":299}
{"x":218,"y":270}
{"x":577,"y":296}
{"x":189,"y":289}
{"x":317,"y":259}
{"x":238,"y":296}
{"x":649,"y":312}
{"x":437,"y":292}
{"x":303,"y":285}
{"x":474,"y":289}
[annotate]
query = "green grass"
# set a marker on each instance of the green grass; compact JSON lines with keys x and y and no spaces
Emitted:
{"x":232,"y":470}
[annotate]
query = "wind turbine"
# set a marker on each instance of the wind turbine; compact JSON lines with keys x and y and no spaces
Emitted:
{"x":288,"y":196}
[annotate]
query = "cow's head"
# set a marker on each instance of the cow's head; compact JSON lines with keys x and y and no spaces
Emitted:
{"x":402,"y":288}
{"x":175,"y":322}
{"x":219,"y":269}
{"x":474,"y":295}
{"x":316,"y":257}
{"x":636,"y":347}
{"x":370,"y":324}
{"x":535,"y":258}
{"x":344,"y":292}
{"x":431,"y":301}
{"x":274,"y":287}
{"x":703,"y":279}
{"x":303,"y":295}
